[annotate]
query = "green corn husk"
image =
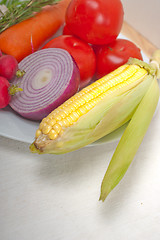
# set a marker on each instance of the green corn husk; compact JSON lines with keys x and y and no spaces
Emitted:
{"x":131,"y":140}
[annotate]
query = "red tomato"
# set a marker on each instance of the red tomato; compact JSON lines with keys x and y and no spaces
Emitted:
{"x":82,"y":53}
{"x":111,"y":56}
{"x":95,"y":21}
{"x":66,"y":31}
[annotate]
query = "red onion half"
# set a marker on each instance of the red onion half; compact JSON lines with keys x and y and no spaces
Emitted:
{"x":51,"y":77}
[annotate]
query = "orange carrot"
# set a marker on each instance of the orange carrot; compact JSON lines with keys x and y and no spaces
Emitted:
{"x":20,"y":39}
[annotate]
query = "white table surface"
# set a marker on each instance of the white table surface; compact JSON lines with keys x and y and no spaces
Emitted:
{"x":52,"y":197}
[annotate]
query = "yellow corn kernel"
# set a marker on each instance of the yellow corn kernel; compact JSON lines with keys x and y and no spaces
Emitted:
{"x":38,"y":133}
{"x":62,"y":114}
{"x":51,"y":122}
{"x":60,"y":123}
{"x":57,"y":128}
{"x":67,"y":110}
{"x":65,"y":122}
{"x":79,"y":112}
{"x":69,"y":119}
{"x":42,"y":124}
{"x":54,"y":113}
{"x":46,"y":129}
{"x":58,"y":117}
{"x":77,"y":103}
{"x":83,"y":110}
{"x":74,"y":116}
{"x":52,"y":134}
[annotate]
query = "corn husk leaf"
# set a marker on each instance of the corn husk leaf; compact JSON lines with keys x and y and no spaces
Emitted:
{"x":108,"y":115}
{"x":130,"y":140}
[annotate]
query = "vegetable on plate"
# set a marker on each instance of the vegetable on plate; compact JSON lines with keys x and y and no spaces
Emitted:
{"x":51,"y":77}
{"x":82,"y":53}
{"x":6,"y":91}
{"x":128,"y":94}
{"x":4,"y":94}
{"x":8,"y":66}
{"x":27,"y":36}
{"x":111,"y":56}
{"x":95,"y":21}
{"x":66,"y":31}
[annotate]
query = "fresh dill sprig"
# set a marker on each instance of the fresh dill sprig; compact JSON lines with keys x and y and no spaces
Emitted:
{"x":19,"y":11}
{"x":8,"y":3}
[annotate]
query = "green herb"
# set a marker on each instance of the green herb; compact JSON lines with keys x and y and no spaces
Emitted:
{"x":20,"y":10}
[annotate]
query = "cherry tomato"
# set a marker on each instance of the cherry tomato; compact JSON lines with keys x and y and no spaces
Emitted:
{"x":95,"y":21}
{"x":111,"y":56}
{"x":82,"y":53}
{"x":4,"y":94}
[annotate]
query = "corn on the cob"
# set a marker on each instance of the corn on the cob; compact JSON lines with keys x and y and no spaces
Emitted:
{"x":95,"y":111}
{"x":80,"y":104}
{"x":131,"y":92}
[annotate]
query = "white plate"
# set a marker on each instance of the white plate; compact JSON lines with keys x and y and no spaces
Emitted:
{"x":15,"y":127}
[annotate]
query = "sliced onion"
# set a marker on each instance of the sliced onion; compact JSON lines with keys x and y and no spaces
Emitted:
{"x":51,"y":77}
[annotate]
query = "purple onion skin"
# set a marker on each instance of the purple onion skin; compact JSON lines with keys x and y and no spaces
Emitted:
{"x":71,"y":89}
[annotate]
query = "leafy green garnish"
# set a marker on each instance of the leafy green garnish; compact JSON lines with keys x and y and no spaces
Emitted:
{"x":19,"y":11}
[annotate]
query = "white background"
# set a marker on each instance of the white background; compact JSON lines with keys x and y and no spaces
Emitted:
{"x":144,"y":16}
{"x":56,"y":197}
